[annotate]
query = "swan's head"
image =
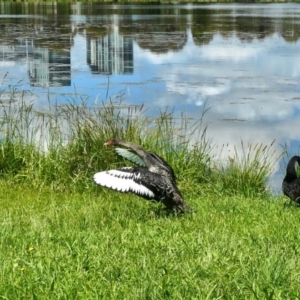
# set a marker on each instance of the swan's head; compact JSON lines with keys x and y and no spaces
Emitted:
{"x":113,"y":142}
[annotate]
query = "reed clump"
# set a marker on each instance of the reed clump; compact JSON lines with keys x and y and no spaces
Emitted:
{"x":246,"y":170}
{"x":62,"y":146}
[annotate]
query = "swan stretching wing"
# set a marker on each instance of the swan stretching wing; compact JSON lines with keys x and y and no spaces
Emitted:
{"x":153,"y":178}
{"x":136,"y":180}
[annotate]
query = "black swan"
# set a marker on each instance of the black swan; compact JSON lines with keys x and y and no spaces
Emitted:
{"x":153,"y":179}
{"x":291,"y":183}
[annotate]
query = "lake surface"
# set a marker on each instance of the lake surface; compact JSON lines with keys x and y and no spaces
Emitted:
{"x":241,"y":60}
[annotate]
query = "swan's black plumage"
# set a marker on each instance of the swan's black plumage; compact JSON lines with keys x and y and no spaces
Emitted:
{"x":154,"y":179}
{"x":291,"y":182}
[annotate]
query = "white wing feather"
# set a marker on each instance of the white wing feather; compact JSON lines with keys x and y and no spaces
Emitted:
{"x":130,"y":156}
{"x":122,"y":182}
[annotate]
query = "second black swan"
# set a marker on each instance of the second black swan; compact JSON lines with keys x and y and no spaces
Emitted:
{"x":291,"y":182}
{"x":152,"y":179}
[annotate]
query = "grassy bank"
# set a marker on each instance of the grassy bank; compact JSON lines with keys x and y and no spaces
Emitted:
{"x":64,"y":238}
{"x":112,"y":246}
{"x":62,"y":146}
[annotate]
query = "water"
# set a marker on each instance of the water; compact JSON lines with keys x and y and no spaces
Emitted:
{"x":241,"y":60}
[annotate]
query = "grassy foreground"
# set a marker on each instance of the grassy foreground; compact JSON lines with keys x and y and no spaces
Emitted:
{"x":113,"y":246}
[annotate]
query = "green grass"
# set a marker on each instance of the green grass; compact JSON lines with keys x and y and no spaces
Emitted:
{"x":63,"y":237}
{"x":107,"y":245}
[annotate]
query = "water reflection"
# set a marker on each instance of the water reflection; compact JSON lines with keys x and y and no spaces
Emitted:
{"x":111,"y":54}
{"x":241,"y":60}
{"x":49,"y":68}
{"x":46,"y":67}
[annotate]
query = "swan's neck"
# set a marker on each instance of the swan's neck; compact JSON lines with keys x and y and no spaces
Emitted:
{"x":291,"y":172}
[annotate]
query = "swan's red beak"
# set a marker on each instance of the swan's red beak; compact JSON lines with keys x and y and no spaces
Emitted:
{"x":109,"y":143}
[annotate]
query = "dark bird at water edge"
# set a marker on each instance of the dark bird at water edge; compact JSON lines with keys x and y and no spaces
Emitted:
{"x":152,"y":178}
{"x":291,"y":182}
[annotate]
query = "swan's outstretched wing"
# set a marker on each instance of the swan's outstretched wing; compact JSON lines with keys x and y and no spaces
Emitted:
{"x":136,"y":180}
{"x":130,"y":156}
{"x":133,"y":157}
